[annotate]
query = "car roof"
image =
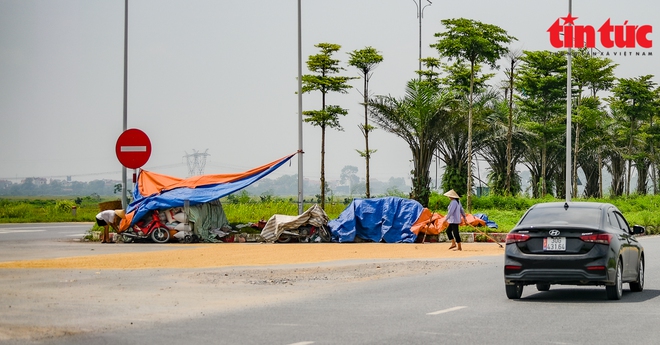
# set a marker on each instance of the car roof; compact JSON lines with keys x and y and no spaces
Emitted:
{"x":576,"y":204}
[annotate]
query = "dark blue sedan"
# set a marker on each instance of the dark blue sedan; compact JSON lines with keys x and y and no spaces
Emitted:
{"x":573,"y":243}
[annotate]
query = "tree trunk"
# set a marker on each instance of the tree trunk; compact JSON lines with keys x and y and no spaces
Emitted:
{"x":323,"y":167}
{"x":469,"y":177}
{"x":600,"y":174}
{"x":544,"y":153}
{"x":367,"y":154}
{"x":509,"y":139}
{"x":575,"y":158}
{"x":630,"y":144}
{"x":642,"y":166}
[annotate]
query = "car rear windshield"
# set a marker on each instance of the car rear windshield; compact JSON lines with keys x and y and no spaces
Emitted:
{"x":560,"y":216}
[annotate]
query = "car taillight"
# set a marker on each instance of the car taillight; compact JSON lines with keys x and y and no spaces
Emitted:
{"x":596,"y":268}
{"x":597,"y":238}
{"x":516,"y":237}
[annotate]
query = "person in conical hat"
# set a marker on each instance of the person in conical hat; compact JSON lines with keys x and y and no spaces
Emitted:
{"x":452,"y":194}
{"x":109,"y":218}
{"x":455,"y":213}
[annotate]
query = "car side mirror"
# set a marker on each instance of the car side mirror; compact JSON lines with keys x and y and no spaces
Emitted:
{"x":638,"y":230}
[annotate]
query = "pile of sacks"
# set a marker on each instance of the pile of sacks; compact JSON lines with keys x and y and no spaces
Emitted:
{"x":175,"y":219}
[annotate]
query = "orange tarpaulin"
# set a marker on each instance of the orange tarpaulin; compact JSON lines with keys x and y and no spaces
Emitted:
{"x":152,"y":183}
{"x":435,"y":223}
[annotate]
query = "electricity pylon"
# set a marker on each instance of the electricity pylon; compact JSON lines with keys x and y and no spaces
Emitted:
{"x":196,"y":162}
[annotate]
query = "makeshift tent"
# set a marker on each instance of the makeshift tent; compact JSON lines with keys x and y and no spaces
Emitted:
{"x":159,"y":192}
{"x":279,"y":223}
{"x":389,"y":219}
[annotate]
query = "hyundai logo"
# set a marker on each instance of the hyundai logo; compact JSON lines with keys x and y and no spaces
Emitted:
{"x":554,"y":232}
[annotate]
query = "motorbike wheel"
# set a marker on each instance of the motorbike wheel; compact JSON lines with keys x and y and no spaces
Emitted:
{"x":284,"y":239}
{"x":324,"y":232}
{"x":125,"y":239}
{"x":160,"y":235}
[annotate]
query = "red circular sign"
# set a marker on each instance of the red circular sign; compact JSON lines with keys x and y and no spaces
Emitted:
{"x":133,"y":148}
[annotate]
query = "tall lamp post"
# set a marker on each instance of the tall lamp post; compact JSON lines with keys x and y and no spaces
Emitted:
{"x":569,"y":105}
{"x":300,"y":121}
{"x":420,"y":15}
{"x":124,"y":179}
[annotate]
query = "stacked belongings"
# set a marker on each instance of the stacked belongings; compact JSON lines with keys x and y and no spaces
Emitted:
{"x":177,"y":220}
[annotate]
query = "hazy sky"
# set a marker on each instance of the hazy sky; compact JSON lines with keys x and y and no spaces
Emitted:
{"x":220,"y":75}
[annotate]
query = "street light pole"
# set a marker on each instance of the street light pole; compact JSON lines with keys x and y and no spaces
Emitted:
{"x":124,"y":179}
{"x":420,"y":15}
{"x":569,"y":105}
{"x":300,"y":117}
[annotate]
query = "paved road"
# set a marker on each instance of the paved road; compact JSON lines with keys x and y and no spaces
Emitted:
{"x":54,"y":240}
{"x":459,"y":301}
{"x":40,"y":231}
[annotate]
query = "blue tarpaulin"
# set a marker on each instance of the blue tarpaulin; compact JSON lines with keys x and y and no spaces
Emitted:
{"x":156,"y":191}
{"x":387,"y":219}
{"x":489,"y":223}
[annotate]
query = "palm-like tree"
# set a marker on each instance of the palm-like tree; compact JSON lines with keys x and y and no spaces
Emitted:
{"x":419,"y":118}
{"x":499,"y":139}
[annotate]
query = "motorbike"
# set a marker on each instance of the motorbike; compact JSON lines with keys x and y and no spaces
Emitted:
{"x":305,"y":234}
{"x":155,"y":230}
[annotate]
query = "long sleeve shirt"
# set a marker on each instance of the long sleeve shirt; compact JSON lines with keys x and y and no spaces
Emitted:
{"x":455,"y":212}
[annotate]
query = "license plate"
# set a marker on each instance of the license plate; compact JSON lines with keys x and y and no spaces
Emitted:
{"x":554,"y":244}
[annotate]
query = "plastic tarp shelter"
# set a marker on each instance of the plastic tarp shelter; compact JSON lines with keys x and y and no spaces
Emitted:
{"x":391,"y":220}
{"x":154,"y":191}
{"x":279,"y":223}
{"x":387,"y":219}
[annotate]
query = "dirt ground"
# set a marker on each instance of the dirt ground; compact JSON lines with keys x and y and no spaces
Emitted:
{"x":256,"y":254}
{"x":121,"y":285}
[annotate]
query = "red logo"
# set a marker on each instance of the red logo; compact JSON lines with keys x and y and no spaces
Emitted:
{"x":569,"y":35}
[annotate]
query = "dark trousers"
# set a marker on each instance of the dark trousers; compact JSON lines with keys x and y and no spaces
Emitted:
{"x":452,"y":233}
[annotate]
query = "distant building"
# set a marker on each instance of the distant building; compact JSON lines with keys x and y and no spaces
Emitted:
{"x":4,"y":184}
{"x":37,"y":181}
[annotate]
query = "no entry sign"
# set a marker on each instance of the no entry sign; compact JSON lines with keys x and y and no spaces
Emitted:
{"x":133,"y":148}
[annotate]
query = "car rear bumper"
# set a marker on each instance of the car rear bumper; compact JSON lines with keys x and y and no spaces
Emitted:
{"x":574,"y":269}
{"x":557,"y":276}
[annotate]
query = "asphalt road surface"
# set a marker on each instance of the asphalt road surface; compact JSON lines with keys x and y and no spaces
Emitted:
{"x":444,"y":301}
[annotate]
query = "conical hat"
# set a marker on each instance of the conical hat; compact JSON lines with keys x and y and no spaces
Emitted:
{"x":452,"y":194}
{"x":120,"y":213}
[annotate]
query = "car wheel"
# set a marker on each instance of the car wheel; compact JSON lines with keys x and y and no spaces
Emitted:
{"x":514,"y":291}
{"x":615,"y":291}
{"x":543,"y":287}
{"x":160,"y":235}
{"x":639,"y":284}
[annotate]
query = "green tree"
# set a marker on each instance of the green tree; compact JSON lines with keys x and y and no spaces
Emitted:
{"x":453,"y":147}
{"x":325,"y":81}
{"x":593,"y":74}
{"x":542,"y":85}
{"x":503,"y":146}
{"x":475,"y":42}
{"x":591,"y":122}
{"x":634,"y":100}
{"x":365,"y":60}
{"x":510,"y":72}
{"x":419,"y":118}
{"x":431,"y":73}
